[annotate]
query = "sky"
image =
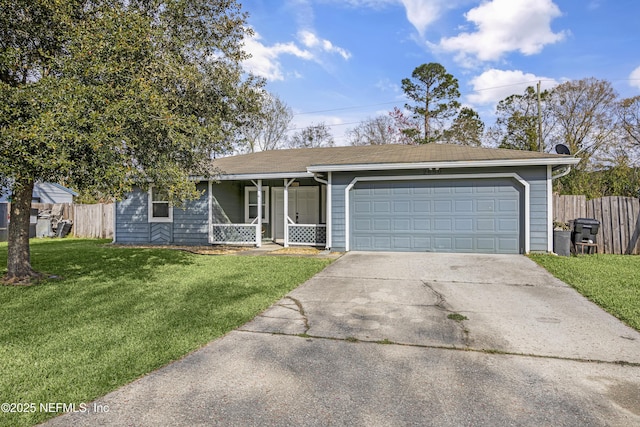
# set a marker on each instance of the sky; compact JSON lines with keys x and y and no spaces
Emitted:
{"x":340,"y":62}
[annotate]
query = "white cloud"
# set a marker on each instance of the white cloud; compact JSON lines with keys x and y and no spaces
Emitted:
{"x":311,"y":41}
{"x":505,"y":26}
{"x":494,"y":85}
{"x":635,"y":78}
{"x":264,"y":61}
{"x":422,"y":13}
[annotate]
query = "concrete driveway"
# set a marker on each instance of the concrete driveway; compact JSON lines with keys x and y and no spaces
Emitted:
{"x":385,"y":339}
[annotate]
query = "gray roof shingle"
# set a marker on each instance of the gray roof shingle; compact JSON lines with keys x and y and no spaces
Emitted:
{"x":298,"y":160}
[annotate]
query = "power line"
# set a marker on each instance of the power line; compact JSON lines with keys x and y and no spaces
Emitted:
{"x":355,"y":107}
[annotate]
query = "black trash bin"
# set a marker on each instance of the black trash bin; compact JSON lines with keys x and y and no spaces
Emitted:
{"x":584,"y":234}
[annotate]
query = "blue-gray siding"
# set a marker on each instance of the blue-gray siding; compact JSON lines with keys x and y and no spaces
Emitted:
{"x":189,"y":225}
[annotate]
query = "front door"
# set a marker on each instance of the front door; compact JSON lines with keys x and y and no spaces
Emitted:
{"x":304,"y":207}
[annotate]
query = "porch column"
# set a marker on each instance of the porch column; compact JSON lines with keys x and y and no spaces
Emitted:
{"x":328,"y":214}
{"x":209,"y":211}
{"x":285,"y":191}
{"x":259,"y":227}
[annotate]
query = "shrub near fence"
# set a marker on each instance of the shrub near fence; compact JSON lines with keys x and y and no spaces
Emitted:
{"x":619,"y":220}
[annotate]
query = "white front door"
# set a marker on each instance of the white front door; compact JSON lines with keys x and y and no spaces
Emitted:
{"x":304,"y":207}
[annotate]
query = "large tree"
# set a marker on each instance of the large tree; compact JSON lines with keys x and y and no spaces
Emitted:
{"x":629,"y":117}
{"x":268,"y":129}
{"x":374,"y":131}
{"x":107,"y":94}
{"x":517,"y":123}
{"x":466,"y":129}
{"x":584,"y":116}
{"x":435,"y":95}
{"x":312,"y":136}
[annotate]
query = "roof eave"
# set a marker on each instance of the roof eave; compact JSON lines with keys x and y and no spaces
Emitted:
{"x":253,"y":176}
{"x":444,"y":165}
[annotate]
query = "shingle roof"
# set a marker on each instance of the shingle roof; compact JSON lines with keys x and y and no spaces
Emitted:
{"x":298,"y":160}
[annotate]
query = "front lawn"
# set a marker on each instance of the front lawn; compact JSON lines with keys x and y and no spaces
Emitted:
{"x":611,"y":281}
{"x":118,"y":313}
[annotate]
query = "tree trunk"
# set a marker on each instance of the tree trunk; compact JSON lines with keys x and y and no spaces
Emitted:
{"x":19,"y":269}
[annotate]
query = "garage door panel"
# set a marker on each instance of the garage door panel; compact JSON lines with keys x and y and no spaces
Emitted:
{"x":463,"y":225}
{"x":442,"y":189}
{"x":463,"y":244}
{"x":444,"y":244}
{"x":508,"y":206}
{"x":453,"y":216}
{"x":442,"y":206}
{"x":485,"y":205}
{"x":508,"y":225}
{"x":401,"y":206}
{"x":484,"y":225}
{"x":382,"y":224}
{"x":486,"y":244}
{"x":508,"y":245}
{"x":363,"y":225}
{"x":362,"y":207}
{"x":443,"y":224}
{"x":421,"y":224}
{"x":421,"y":206}
{"x":402,"y":224}
{"x":382,"y":206}
{"x":463,"y":206}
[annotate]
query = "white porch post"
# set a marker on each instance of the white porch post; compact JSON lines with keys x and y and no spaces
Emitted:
{"x":259,"y":219}
{"x":328,"y":214}
{"x":287,"y":183}
{"x":210,"y":210}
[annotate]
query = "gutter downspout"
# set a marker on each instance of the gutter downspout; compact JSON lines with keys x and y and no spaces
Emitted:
{"x":565,"y":172}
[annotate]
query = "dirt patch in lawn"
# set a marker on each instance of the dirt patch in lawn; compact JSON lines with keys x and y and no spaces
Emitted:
{"x":296,"y":251}
{"x":200,"y":250}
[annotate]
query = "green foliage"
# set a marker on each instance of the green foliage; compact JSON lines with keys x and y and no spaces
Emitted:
{"x":435,"y":93}
{"x":101,"y":95}
{"x":611,"y":281}
{"x":517,"y":120}
{"x":116,"y":314}
{"x":620,"y":180}
{"x":467,"y":129}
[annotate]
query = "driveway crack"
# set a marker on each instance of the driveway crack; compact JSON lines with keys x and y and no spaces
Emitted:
{"x":303,"y":315}
{"x":441,"y":303}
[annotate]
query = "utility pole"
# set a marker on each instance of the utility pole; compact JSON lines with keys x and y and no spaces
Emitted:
{"x":540,"y":142}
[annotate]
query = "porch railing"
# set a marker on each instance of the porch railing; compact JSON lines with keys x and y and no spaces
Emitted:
{"x":235,"y":234}
{"x":307,"y":234}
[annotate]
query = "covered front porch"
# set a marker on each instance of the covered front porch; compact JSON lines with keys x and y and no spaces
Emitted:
{"x":289,"y":211}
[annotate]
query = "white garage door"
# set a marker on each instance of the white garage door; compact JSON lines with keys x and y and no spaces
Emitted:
{"x":481,"y":215}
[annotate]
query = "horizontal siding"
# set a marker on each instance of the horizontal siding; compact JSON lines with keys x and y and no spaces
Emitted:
{"x":227,"y":203}
{"x":132,"y":226}
{"x":189,"y":226}
{"x":190,"y":221}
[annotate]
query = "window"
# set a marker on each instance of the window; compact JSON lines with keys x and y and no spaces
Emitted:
{"x":160,"y":209}
{"x":251,"y":204}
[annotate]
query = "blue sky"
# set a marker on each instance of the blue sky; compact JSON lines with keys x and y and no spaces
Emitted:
{"x":342,"y":61}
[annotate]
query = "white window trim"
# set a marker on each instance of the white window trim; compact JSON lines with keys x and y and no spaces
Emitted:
{"x":265,"y":211}
{"x":150,"y":203}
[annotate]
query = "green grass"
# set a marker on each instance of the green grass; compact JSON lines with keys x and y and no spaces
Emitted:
{"x":611,"y":281}
{"x":119,"y":313}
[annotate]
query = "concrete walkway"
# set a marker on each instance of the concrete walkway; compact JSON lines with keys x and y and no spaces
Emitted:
{"x":383,"y":339}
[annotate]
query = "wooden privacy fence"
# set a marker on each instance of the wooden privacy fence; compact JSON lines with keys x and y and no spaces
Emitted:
{"x":619,"y":220}
{"x":92,"y":221}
